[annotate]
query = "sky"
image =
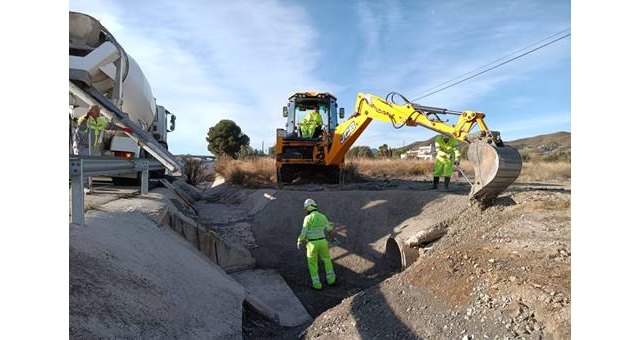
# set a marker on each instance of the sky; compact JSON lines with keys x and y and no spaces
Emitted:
{"x":241,"y":60}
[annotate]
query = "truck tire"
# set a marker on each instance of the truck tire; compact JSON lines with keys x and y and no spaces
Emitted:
{"x":284,"y":175}
{"x":334,"y":175}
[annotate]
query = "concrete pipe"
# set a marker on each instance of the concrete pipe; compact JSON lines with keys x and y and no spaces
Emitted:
{"x":398,"y":255}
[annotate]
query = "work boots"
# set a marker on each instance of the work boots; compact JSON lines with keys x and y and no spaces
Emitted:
{"x":435,"y":182}
{"x":446,"y":183}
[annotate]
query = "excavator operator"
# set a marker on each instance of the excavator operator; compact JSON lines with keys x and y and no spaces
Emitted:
{"x":311,"y":125}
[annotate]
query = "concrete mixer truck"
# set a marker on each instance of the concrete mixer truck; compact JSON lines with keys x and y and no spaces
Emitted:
{"x":102,"y":73}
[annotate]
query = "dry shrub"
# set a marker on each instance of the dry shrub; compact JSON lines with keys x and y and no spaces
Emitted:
{"x":398,"y":168}
{"x":545,"y":171}
{"x":253,"y":173}
{"x":196,"y":171}
{"x":350,"y":172}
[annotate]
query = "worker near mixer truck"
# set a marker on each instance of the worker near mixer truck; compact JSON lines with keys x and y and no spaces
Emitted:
{"x":311,"y":125}
{"x":90,"y":130}
{"x":314,"y":227}
{"x":447,"y":155}
{"x":87,"y":139}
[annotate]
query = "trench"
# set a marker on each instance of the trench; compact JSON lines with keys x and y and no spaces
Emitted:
{"x":370,"y":248}
{"x":370,"y":228}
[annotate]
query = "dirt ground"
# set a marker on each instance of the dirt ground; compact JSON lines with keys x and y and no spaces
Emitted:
{"x":501,"y":272}
{"x":130,"y":277}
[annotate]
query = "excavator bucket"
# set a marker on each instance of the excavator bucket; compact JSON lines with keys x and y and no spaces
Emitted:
{"x":495,"y":167}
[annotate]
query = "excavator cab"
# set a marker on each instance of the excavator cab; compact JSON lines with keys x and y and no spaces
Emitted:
{"x":301,"y":148}
{"x":302,"y":105}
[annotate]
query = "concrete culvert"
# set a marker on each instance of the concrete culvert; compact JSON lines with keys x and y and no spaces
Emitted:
{"x":392,"y":255}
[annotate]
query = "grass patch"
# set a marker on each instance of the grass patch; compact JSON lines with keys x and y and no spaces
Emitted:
{"x":253,"y":172}
{"x":196,"y":171}
{"x":397,"y":168}
{"x":545,"y":171}
{"x":260,"y":171}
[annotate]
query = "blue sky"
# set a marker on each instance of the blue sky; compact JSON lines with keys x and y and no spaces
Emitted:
{"x":240,"y":60}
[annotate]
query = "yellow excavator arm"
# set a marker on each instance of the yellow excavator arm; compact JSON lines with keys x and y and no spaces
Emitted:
{"x":496,"y":165}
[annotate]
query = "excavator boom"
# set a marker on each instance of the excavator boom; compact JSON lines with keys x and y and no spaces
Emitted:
{"x":496,"y":165}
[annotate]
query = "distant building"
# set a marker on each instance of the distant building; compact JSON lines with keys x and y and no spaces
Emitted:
{"x":423,"y":152}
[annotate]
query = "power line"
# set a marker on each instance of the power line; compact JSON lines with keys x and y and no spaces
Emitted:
{"x":494,"y":67}
{"x":497,"y":60}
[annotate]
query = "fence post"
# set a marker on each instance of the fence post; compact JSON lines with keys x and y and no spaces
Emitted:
{"x":77,"y":194}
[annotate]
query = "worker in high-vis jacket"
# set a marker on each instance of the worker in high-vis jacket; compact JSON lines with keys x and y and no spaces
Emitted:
{"x":88,"y":137}
{"x":447,"y":154}
{"x":311,"y":125}
{"x":314,"y":227}
{"x":90,"y":131}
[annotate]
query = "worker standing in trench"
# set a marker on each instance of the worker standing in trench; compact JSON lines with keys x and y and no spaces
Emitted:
{"x":313,"y":235}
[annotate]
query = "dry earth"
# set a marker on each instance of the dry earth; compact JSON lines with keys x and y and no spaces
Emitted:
{"x":498,"y":273}
{"x":501,"y":272}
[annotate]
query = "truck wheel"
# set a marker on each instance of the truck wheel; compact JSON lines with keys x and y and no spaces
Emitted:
{"x":284,"y":175}
{"x":334,"y":175}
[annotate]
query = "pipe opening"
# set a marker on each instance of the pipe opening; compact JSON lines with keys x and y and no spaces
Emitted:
{"x":393,"y":255}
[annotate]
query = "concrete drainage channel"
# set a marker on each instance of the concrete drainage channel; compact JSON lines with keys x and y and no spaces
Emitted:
{"x":268,"y":295}
{"x":374,"y":231}
{"x":377,"y":234}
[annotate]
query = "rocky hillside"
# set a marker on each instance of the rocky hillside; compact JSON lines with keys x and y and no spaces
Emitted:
{"x":549,"y":147}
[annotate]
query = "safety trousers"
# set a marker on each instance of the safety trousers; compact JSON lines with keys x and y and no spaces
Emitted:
{"x":315,"y":249}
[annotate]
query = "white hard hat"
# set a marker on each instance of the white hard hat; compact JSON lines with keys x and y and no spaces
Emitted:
{"x":309,"y":202}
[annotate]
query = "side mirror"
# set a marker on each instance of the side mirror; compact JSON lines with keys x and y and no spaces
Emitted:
{"x":342,"y":112}
{"x":285,"y":111}
{"x":173,"y":123}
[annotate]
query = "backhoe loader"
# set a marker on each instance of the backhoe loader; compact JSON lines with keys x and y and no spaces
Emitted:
{"x":495,"y":164}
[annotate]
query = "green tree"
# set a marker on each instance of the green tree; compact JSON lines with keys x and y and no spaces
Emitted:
{"x":226,"y":138}
{"x":384,"y":151}
{"x":360,"y":152}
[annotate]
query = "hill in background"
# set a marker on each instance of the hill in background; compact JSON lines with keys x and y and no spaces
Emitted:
{"x":550,"y":147}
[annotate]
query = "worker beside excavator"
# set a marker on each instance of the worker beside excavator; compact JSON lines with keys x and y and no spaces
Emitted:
{"x":311,"y":125}
{"x":313,"y":236}
{"x":447,"y":155}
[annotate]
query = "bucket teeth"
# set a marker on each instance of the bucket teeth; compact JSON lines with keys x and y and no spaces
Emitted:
{"x":495,"y":169}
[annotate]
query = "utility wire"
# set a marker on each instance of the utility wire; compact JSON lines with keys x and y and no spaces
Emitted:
{"x":494,"y":67}
{"x":497,"y":60}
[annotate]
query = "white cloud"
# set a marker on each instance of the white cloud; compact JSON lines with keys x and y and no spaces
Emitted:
{"x":447,"y":39}
{"x":207,"y":62}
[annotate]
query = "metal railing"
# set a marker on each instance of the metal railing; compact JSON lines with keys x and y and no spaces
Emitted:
{"x":89,"y":166}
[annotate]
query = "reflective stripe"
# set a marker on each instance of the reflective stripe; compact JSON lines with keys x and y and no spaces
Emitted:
{"x":314,"y":226}
{"x":446,"y":151}
{"x":93,"y":126}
